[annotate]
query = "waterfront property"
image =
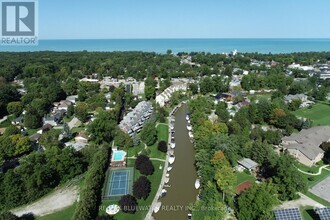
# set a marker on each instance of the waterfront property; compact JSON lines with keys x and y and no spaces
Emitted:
{"x":247,"y":163}
{"x":165,"y":96}
{"x":134,"y":120}
{"x":118,"y":182}
{"x":305,"y":145}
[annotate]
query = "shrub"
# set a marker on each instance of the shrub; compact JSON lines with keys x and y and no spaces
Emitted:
{"x":162,"y":146}
{"x":128,"y":204}
{"x":142,"y":188}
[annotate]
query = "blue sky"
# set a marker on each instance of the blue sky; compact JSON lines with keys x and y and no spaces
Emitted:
{"x":106,"y":19}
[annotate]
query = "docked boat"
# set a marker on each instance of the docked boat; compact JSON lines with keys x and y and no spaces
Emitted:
{"x":172,"y":144}
{"x":187,"y":117}
{"x":167,"y":175}
{"x":191,"y":135}
{"x":157,"y":208}
{"x":189,"y":127}
{"x":171,"y":159}
{"x":197,"y":184}
{"x":164,"y":191}
{"x":169,"y":168}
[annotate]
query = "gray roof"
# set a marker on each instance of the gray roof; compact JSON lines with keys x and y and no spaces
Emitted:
{"x":295,"y":97}
{"x":143,"y":109}
{"x":308,"y":141}
{"x":248,"y":163}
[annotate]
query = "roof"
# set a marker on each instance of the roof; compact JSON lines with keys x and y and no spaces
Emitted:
{"x":243,"y":186}
{"x":75,"y":122}
{"x":287,"y":214}
{"x":46,"y":127}
{"x":308,"y":141}
{"x":35,"y":137}
{"x":248,"y":163}
{"x":324,"y":213}
{"x":76,"y":145}
{"x":295,"y":97}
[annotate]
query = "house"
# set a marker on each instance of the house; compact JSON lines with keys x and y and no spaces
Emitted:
{"x":53,"y":119}
{"x":74,"y":123}
{"x":305,"y":145}
{"x":134,"y":120}
{"x":17,"y":121}
{"x":76,"y":145}
{"x":247,"y":163}
{"x":2,"y":131}
{"x":166,"y":95}
{"x":72,"y":98}
{"x":224,"y":97}
{"x":46,"y":127}
{"x":301,"y":97}
{"x":35,"y":138}
{"x":62,"y":105}
{"x":82,"y":137}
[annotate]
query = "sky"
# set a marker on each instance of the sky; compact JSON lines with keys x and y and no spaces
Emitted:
{"x":133,"y":19}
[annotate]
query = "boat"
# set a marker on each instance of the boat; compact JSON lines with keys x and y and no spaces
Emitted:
{"x":167,"y":175}
{"x":189,"y":216}
{"x":171,"y":159}
{"x":157,"y":208}
{"x":164,"y":191}
{"x":187,"y":117}
{"x":189,"y":127}
{"x":197,"y":184}
{"x":191,"y":135}
{"x":169,"y":168}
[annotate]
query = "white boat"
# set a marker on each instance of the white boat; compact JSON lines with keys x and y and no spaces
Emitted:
{"x":167,"y":175}
{"x":169,"y":168}
{"x":197,"y":184}
{"x":171,"y":159}
{"x":187,"y":117}
{"x":164,"y":191}
{"x":189,"y":127}
{"x":157,"y":208}
{"x":173,"y":145}
{"x":191,"y":135}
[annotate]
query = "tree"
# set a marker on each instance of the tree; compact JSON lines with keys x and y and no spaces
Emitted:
{"x":162,"y":146}
{"x":128,"y":204}
{"x":8,"y":216}
{"x":225,"y":179}
{"x":122,"y":139}
{"x":144,"y":165}
{"x":50,"y":138}
{"x":81,"y":111}
{"x":11,"y":130}
{"x":257,"y":202}
{"x":32,"y":119}
{"x":15,"y":108}
{"x":103,"y":128}
{"x":193,"y":87}
{"x":70,"y":111}
{"x":142,"y":187}
{"x":149,"y":133}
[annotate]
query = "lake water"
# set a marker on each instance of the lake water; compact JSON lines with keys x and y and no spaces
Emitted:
{"x":180,"y":45}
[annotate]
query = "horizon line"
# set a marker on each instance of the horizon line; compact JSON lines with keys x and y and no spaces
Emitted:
{"x":196,"y":38}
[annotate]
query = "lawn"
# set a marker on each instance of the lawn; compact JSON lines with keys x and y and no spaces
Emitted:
{"x":162,"y":133}
{"x":155,"y":181}
{"x":308,"y":213}
{"x":260,"y":96}
{"x":318,"y":113}
{"x":313,"y":180}
{"x":318,"y":199}
{"x":64,"y":214}
{"x":242,"y":177}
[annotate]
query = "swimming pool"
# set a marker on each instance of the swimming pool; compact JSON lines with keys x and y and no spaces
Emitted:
{"x":118,"y":155}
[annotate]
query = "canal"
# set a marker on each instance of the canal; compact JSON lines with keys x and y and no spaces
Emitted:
{"x":182,"y":193}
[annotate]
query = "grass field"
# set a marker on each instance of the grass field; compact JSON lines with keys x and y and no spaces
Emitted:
{"x":65,"y":214}
{"x":242,"y":177}
{"x":313,"y":180}
{"x":319,"y":113}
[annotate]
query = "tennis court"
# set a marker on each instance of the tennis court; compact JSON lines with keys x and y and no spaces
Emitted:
{"x":118,"y":183}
